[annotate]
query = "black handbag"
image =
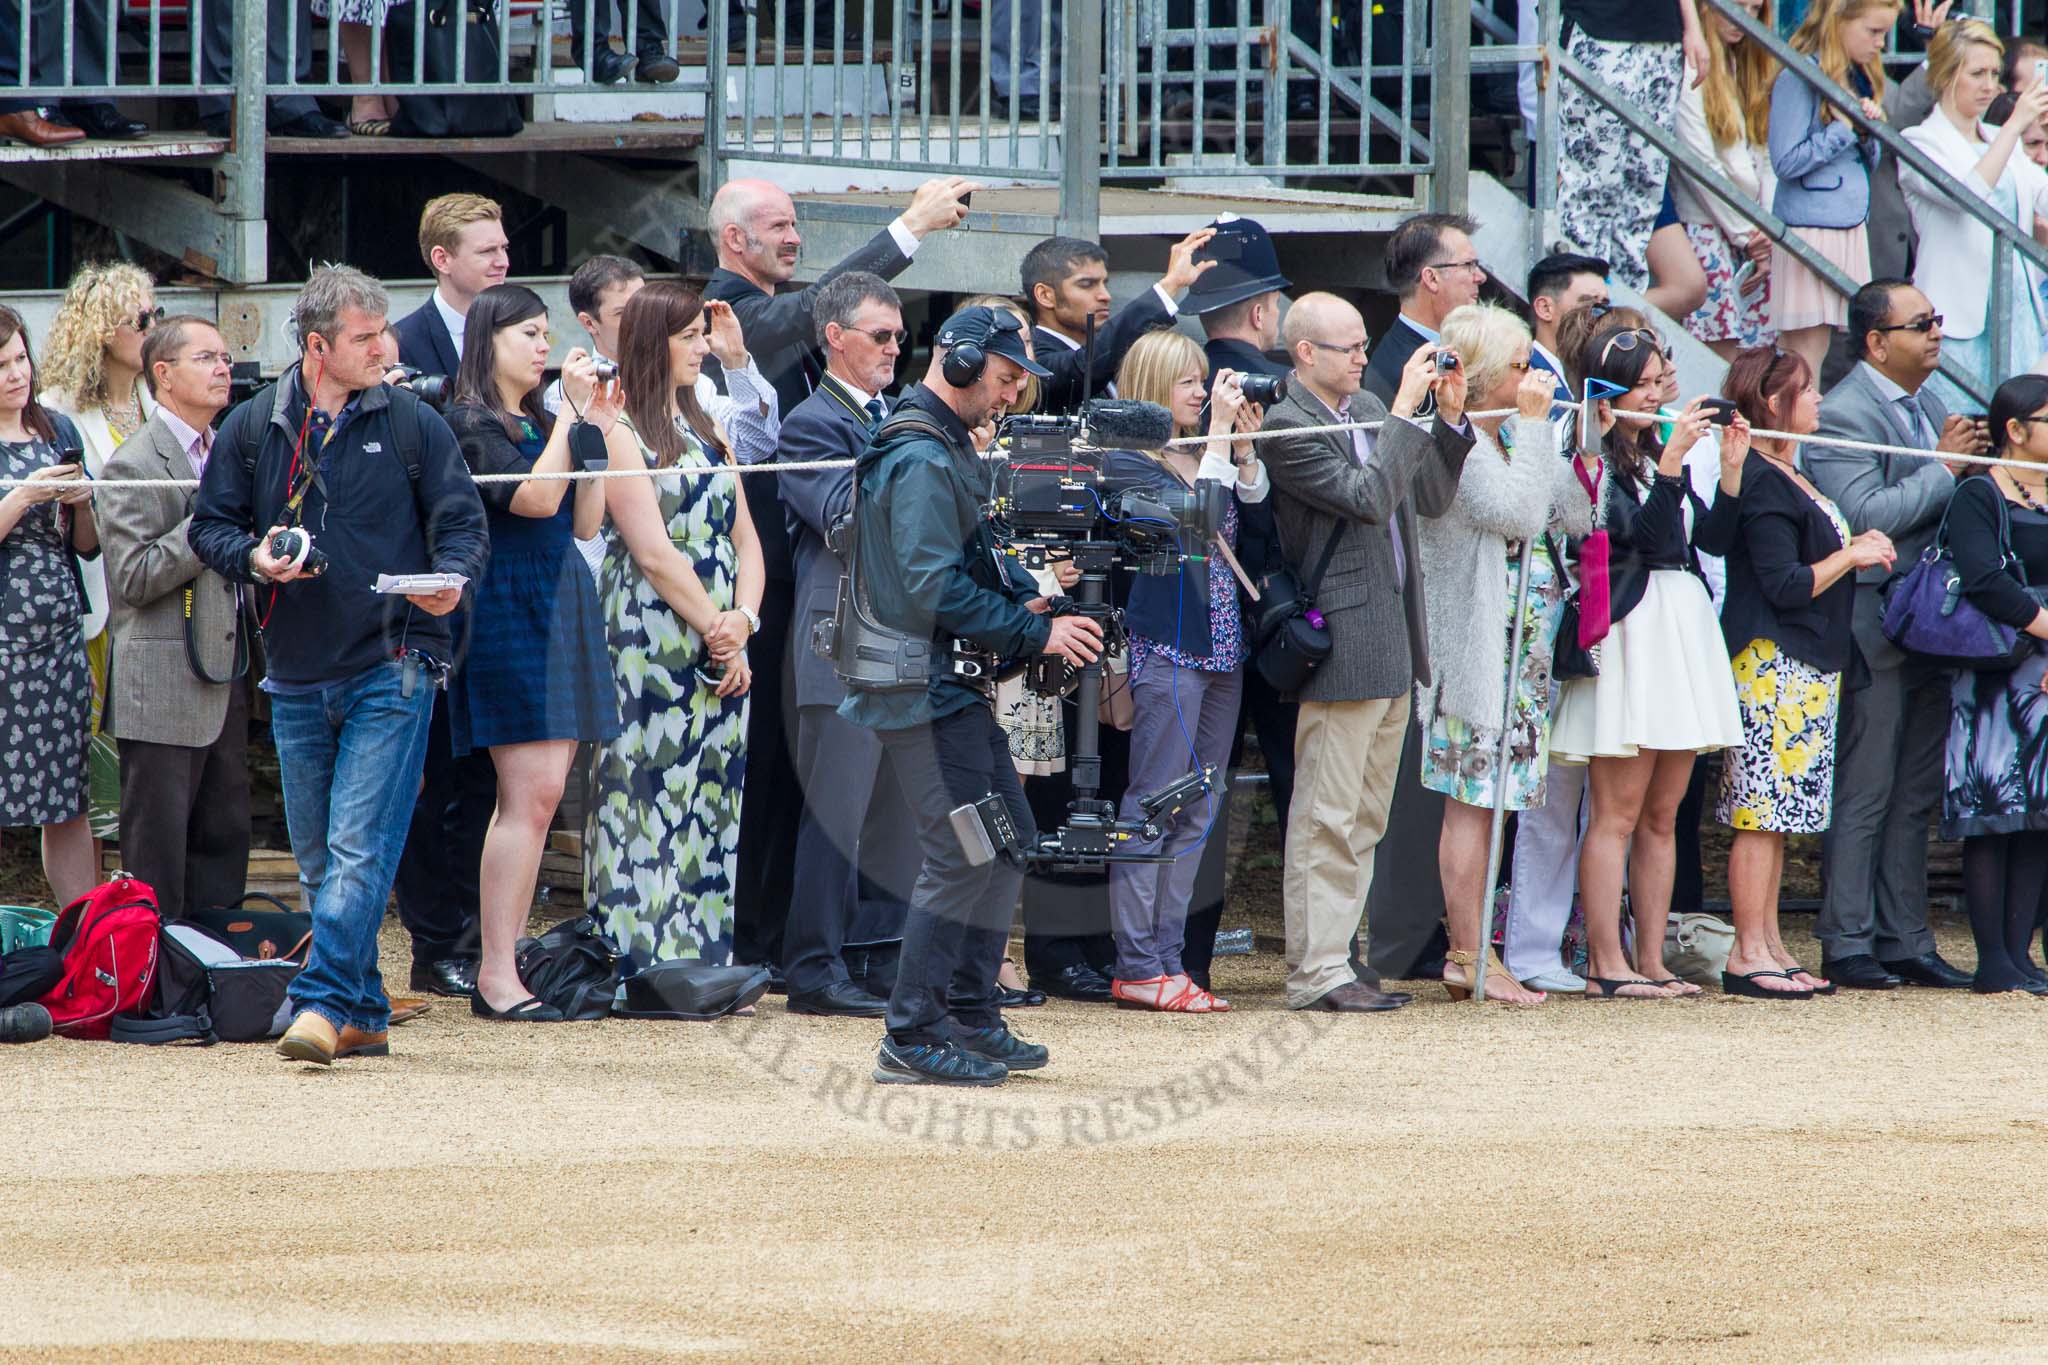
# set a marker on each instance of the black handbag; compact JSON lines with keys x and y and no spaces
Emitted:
{"x":1290,"y":639}
{"x":205,"y":991}
{"x":574,"y":966}
{"x":1568,"y":658}
{"x":453,"y":115}
{"x":276,"y":932}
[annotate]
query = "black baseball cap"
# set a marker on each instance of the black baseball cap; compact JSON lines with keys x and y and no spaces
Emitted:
{"x":996,"y":330}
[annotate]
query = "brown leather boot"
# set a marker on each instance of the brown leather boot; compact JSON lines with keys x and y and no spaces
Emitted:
{"x":353,"y":1042}
{"x":310,"y":1039}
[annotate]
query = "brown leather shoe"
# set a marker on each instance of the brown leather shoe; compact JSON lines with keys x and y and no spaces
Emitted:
{"x":31,"y":127}
{"x":407,"y":1007}
{"x":353,"y":1042}
{"x":1355,"y":997}
{"x":310,"y":1039}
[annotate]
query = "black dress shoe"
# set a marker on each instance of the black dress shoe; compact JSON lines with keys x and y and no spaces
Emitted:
{"x":609,"y":67}
{"x":104,"y":121}
{"x":215,"y":125}
{"x":1928,"y":970}
{"x":842,"y":999}
{"x":454,"y":976}
{"x":1078,"y":982}
{"x":1858,"y":972}
{"x":1018,"y":1000}
{"x":313,"y":123}
{"x":1355,"y":997}
{"x":655,"y":67}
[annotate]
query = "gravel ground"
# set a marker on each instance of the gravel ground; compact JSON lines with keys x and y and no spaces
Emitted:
{"x":1856,"y":1177}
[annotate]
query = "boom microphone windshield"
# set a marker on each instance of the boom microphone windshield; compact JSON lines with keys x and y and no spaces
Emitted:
{"x":1126,"y":424}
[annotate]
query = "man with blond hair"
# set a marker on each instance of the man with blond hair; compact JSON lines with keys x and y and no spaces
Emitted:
{"x":462,"y":240}
{"x":753,"y":225}
{"x":1345,"y":503}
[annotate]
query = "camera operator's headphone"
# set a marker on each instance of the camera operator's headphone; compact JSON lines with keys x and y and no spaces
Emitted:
{"x":965,"y":361}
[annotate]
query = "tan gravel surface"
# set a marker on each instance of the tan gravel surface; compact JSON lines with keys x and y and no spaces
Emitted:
{"x":1849,"y":1178}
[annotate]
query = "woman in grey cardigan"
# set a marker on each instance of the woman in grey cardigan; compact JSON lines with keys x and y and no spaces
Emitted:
{"x":1515,"y":488}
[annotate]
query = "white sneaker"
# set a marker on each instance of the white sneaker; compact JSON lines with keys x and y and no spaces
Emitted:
{"x":1559,"y":982}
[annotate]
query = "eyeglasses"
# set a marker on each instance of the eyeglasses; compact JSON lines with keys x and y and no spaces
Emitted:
{"x":1922,"y":325}
{"x":882,"y":336}
{"x":146,"y":319}
{"x":1472,"y":264}
{"x":1626,"y":342}
{"x":208,"y":359}
{"x":1518,"y":364}
{"x":1356,"y":350}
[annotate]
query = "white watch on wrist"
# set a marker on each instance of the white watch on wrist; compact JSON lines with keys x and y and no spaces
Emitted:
{"x":753,"y":621}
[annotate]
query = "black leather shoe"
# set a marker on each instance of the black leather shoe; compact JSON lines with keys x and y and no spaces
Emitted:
{"x":842,"y":999}
{"x":1018,"y":1000}
{"x":655,"y":67}
{"x":1858,"y":972}
{"x":1355,"y":997}
{"x":1928,"y":970}
{"x":31,"y":1024}
{"x":310,"y":124}
{"x":1078,"y":982}
{"x":610,"y":66}
{"x":454,"y":976}
{"x":104,"y":121}
{"x":216,"y":125}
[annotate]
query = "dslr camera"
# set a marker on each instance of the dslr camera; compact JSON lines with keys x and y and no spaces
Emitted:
{"x":432,"y":389}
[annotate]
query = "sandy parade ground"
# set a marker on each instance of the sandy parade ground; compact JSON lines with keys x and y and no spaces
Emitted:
{"x":1849,"y":1178}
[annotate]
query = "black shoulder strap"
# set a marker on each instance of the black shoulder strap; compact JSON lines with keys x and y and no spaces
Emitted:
{"x":401,"y":430}
{"x":168,"y":1028}
{"x":247,"y":445}
{"x":1329,"y":553}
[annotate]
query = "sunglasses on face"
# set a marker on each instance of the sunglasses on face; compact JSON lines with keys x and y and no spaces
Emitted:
{"x":146,"y":319}
{"x":882,"y":336}
{"x":1922,"y":325}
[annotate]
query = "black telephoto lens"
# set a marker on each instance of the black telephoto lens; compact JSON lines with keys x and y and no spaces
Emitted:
{"x":1263,"y":389}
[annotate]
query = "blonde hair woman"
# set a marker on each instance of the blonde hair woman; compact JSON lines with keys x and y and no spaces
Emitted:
{"x":1188,"y":652}
{"x":1963,"y":70}
{"x":1515,"y":492}
{"x":1725,"y":119}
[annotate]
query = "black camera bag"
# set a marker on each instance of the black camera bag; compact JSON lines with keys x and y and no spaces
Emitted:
{"x":1288,"y":645}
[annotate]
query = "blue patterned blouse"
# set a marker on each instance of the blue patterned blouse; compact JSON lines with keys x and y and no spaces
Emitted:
{"x":1226,"y":624}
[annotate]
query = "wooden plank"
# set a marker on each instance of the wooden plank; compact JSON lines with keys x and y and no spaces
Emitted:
{"x":653,"y":137}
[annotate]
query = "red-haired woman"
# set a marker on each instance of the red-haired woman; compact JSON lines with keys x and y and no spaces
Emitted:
{"x":1791,"y":588}
{"x":681,"y":589}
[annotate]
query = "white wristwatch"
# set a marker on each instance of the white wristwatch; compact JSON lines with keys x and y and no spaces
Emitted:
{"x":753,"y":621}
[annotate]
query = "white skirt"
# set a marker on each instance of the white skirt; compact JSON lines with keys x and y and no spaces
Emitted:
{"x":1665,"y":681}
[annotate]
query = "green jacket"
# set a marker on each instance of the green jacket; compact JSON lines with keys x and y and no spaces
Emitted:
{"x":929,"y":563}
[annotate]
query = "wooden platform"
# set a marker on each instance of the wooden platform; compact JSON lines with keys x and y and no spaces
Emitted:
{"x":163,"y":146}
{"x":652,"y":137}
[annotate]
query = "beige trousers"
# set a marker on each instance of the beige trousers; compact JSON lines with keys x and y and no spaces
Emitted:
{"x":1346,"y":755}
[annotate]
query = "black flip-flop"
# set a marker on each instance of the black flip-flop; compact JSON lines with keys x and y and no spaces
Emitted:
{"x":1828,"y":989}
{"x":531,"y":1010}
{"x":1745,"y":985}
{"x":1610,"y":988}
{"x":1671,"y":981}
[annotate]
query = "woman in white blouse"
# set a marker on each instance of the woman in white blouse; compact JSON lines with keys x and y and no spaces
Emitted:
{"x":1725,"y":119}
{"x":1954,"y":265}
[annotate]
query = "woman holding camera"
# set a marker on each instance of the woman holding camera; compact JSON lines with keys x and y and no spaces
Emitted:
{"x":681,"y":591}
{"x":535,"y":681}
{"x":1791,"y":576}
{"x":45,"y":686}
{"x":1663,"y":691}
{"x":1188,"y":655}
{"x":1515,"y":491}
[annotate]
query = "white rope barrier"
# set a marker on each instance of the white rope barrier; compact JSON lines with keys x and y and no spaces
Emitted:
{"x":809,"y":466}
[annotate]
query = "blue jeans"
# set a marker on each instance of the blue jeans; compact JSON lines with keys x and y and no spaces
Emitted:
{"x":350,"y":756}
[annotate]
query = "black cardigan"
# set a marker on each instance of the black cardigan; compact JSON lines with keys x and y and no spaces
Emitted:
{"x":1649,"y":535}
{"x":1781,"y":533}
{"x":1973,"y":536}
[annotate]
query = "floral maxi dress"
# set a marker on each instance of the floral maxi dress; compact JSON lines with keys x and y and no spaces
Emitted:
{"x":664,"y":824}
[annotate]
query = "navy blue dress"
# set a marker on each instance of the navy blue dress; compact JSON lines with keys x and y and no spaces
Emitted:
{"x":536,"y":666}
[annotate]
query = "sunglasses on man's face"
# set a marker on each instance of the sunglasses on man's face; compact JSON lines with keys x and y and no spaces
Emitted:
{"x":1920,"y":324}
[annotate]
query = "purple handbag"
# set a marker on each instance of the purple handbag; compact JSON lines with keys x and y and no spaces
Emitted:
{"x":1927,"y":614}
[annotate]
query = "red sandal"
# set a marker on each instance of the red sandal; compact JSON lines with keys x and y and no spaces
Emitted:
{"x":1169,"y":994}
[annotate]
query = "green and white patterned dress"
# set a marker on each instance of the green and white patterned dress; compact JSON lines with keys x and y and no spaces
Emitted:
{"x":664,"y":825}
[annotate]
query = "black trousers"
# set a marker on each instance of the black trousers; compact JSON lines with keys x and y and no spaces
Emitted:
{"x":1272,"y":720}
{"x":217,"y":55}
{"x":852,"y":880}
{"x":185,"y":815}
{"x":444,"y":847}
{"x":771,"y":802}
{"x":959,"y":914}
{"x":46,"y":54}
{"x":650,"y":28}
{"x":1066,"y":914}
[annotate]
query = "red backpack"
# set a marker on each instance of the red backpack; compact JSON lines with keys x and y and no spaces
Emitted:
{"x":108,"y":941}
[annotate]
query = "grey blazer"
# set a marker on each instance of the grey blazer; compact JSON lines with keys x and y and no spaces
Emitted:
{"x":1379,"y":637}
{"x":1900,"y":495}
{"x":152,"y":692}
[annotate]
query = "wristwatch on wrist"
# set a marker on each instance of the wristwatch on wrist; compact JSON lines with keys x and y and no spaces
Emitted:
{"x":753,"y":621}
{"x":255,"y":573}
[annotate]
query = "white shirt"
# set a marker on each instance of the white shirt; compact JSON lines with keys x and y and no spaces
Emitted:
{"x":450,"y":319}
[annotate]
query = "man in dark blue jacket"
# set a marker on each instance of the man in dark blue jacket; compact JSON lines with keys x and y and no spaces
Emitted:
{"x":1066,"y":283}
{"x":377,"y":479}
{"x":854,"y":830}
{"x":939,"y":576}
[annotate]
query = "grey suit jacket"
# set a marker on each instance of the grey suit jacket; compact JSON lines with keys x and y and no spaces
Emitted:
{"x":1900,"y":495}
{"x":1380,"y":641}
{"x":152,"y":692}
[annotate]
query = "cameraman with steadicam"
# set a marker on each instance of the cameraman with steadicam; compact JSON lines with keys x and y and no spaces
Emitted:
{"x":316,"y":486}
{"x":929,"y":567}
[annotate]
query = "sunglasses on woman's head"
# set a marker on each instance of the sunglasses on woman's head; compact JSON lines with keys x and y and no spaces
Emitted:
{"x":1627,"y":342}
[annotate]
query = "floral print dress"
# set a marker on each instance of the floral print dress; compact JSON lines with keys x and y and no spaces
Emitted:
{"x":46,"y":691}
{"x":664,"y":824}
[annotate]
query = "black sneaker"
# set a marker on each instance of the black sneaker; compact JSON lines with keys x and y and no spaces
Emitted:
{"x":1000,"y":1045}
{"x":30,"y":1024}
{"x":935,"y":1064}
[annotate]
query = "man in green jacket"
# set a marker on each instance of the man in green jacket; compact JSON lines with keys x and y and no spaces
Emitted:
{"x":930,"y":567}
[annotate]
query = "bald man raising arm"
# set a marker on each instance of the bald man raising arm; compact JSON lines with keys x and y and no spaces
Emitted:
{"x":754,"y":226}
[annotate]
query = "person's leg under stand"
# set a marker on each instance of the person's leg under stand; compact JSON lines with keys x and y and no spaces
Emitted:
{"x":1546,"y":873}
{"x":157,"y":815}
{"x":217,"y":856}
{"x":430,"y":905}
{"x":530,"y":782}
{"x":1900,"y":905}
{"x":1866,"y":749}
{"x":1210,"y":709}
{"x":1985,"y":872}
{"x":2028,"y":875}
{"x":1158,"y":755}
{"x":1653,"y":861}
{"x":1753,"y":861}
{"x":837,"y":763}
{"x":983,"y":762}
{"x":307,"y":740}
{"x":68,"y":861}
{"x":1373,"y":801}
{"x":1618,"y":786}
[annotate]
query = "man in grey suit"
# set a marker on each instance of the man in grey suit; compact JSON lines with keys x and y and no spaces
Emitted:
{"x":1352,"y":498}
{"x":177,"y":693}
{"x":1888,"y":771}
